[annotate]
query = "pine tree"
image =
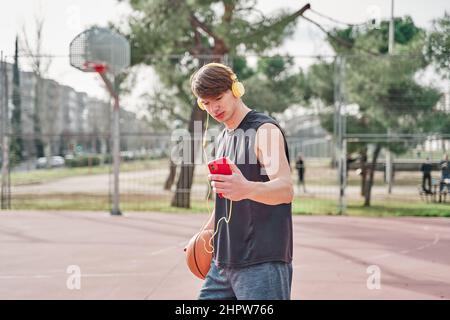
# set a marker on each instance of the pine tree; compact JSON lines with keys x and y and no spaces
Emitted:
{"x":16,"y":147}
{"x":201,"y":31}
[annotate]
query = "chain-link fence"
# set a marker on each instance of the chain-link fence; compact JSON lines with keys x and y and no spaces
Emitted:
{"x":336,"y":113}
{"x":393,"y":116}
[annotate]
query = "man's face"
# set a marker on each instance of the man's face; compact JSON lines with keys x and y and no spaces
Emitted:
{"x":222,"y":107}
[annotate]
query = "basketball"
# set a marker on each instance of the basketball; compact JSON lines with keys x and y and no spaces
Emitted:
{"x":199,"y":253}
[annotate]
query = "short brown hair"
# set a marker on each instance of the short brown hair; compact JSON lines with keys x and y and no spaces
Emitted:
{"x":211,"y":81}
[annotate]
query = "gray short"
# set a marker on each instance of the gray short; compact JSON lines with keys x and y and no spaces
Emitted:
{"x":263,"y":281}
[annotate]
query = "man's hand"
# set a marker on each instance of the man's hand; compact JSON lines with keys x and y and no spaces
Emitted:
{"x":271,"y":153}
{"x":234,"y":187}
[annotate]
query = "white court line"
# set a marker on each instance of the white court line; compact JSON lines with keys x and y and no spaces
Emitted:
{"x":435,"y":241}
{"x":96,"y":275}
{"x":36,"y":276}
{"x":87,"y":275}
{"x":178,"y":245}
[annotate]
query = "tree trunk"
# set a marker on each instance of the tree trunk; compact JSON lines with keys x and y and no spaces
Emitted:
{"x":369,"y":184}
{"x":363,"y":164}
{"x":16,"y":149}
{"x":182,"y":196}
{"x":171,"y":178}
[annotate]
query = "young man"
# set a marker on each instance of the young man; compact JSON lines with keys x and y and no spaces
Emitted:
{"x":253,"y":252}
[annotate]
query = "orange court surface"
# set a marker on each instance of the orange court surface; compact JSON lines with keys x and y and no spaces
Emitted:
{"x":140,"y":256}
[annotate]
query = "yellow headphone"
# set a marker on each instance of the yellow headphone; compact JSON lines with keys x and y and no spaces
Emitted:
{"x":237,"y":87}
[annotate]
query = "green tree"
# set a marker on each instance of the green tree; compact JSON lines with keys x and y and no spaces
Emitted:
{"x":275,"y":84}
{"x":438,"y":45}
{"x":383,"y":87}
{"x":198,"y":31}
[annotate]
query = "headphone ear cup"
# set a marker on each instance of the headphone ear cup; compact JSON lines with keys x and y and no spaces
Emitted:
{"x":238,"y":89}
{"x":200,"y":104}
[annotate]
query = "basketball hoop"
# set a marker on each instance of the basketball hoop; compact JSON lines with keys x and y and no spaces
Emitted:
{"x":107,"y":53}
{"x":98,"y":67}
{"x":100,"y":50}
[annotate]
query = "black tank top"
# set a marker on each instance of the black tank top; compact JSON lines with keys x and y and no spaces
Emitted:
{"x":257,"y":232}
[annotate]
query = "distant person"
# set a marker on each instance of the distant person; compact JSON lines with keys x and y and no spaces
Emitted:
{"x":444,"y":165}
{"x":350,"y":160}
{"x":300,"y":166}
{"x":426,"y":168}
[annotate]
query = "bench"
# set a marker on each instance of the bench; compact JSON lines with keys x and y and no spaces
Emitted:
{"x":436,"y":191}
{"x":445,"y":189}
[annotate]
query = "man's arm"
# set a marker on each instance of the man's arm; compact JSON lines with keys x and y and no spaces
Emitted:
{"x":270,"y":151}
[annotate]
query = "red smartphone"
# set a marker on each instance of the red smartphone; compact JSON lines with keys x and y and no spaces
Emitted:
{"x":220,"y":166}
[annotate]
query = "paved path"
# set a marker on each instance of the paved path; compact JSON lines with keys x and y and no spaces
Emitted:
{"x":151,"y":182}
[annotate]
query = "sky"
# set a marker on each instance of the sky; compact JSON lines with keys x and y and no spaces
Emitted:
{"x":66,"y":18}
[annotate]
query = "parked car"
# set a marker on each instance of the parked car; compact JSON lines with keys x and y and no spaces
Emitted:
{"x":55,"y":162}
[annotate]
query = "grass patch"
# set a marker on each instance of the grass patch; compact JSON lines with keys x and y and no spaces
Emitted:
{"x":301,"y":206}
{"x":60,"y":202}
{"x":379,"y":208}
{"x":102,"y":203}
{"x":395,"y":208}
{"x":314,"y":206}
